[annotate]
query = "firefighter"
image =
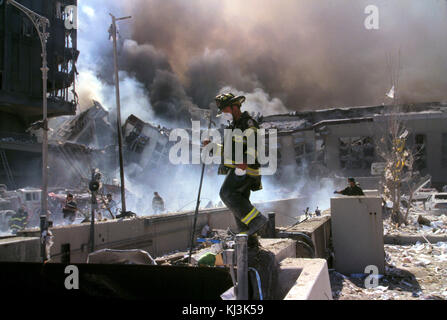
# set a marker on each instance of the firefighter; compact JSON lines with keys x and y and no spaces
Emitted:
{"x":158,"y":205}
{"x":352,"y":190}
{"x":241,"y":178}
{"x":110,"y":205}
{"x":19,"y":220}
{"x":70,"y":209}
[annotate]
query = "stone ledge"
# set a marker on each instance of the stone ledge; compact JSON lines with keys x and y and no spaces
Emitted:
{"x":313,"y":279}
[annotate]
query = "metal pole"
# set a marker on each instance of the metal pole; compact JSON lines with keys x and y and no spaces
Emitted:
{"x":196,"y":212}
{"x":272,"y":227}
{"x":242,"y":266}
{"x":41,"y":22}
{"x":118,"y":112}
{"x":92,"y":223}
{"x":44,"y":197}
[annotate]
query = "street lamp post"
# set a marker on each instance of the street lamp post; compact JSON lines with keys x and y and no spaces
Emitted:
{"x":40,"y":23}
{"x":112,"y":31}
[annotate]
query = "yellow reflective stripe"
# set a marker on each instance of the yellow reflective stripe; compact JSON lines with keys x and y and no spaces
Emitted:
{"x":249,"y":217}
{"x":254,"y":216}
{"x":238,"y":139}
{"x":244,"y":219}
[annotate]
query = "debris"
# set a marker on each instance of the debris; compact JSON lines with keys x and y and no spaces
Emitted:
{"x":208,"y":259}
{"x":423,"y":221}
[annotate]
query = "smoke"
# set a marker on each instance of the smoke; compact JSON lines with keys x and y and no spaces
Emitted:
{"x":301,"y":54}
{"x":285,"y":55}
{"x":258,"y":101}
{"x":308,"y":54}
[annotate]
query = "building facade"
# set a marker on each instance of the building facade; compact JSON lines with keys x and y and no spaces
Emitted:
{"x":346,"y":142}
{"x":21,"y":83}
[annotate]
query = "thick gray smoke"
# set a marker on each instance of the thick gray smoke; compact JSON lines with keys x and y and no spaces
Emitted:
{"x":307,"y":53}
{"x":282,"y":55}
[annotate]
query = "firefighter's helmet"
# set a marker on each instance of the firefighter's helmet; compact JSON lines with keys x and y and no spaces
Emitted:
{"x":227,"y":99}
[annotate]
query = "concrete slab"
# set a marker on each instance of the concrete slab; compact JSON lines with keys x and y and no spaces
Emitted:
{"x":357,"y":233}
{"x":157,"y":235}
{"x":318,"y":229}
{"x":409,"y":239}
{"x":281,"y":248}
{"x":304,"y":279}
{"x":20,"y":249}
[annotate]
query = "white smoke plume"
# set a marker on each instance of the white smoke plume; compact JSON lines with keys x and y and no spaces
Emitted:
{"x":258,"y":101}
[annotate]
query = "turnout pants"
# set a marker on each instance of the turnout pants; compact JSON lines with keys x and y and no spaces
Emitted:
{"x":235,"y":194}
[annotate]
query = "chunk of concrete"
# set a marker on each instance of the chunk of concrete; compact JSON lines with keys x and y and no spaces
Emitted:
{"x":281,"y":248}
{"x":20,"y":249}
{"x":304,"y":279}
{"x":357,"y":233}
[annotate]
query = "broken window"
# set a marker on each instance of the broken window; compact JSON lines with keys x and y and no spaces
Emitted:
{"x":319,"y":146}
{"x":420,"y":141}
{"x":356,"y":152}
{"x":299,"y":150}
{"x":444,"y":150}
{"x":136,"y":141}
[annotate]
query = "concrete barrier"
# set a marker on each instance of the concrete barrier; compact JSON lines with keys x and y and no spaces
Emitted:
{"x":318,"y":229}
{"x":304,"y":279}
{"x":357,"y":234}
{"x":158,"y":234}
{"x":20,"y":249}
{"x":411,"y":239}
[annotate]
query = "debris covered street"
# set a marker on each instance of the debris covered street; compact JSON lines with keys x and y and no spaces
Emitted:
{"x":413,"y":272}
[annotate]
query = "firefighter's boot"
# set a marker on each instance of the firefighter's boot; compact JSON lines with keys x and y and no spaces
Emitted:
{"x":255,"y":224}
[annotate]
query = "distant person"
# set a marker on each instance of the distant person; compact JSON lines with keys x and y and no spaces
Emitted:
{"x":19,"y":220}
{"x":352,"y":190}
{"x":70,"y":209}
{"x":110,"y":206}
{"x":47,"y":240}
{"x":158,"y":205}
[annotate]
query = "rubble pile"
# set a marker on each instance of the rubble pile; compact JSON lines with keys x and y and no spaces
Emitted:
{"x":419,"y":222}
{"x":414,"y":272}
{"x":215,"y":242}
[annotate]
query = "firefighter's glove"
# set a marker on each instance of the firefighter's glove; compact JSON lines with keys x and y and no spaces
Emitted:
{"x":240,"y":172}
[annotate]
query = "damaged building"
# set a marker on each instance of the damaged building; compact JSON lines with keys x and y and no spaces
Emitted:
{"x":146,"y":144}
{"x":344,"y":141}
{"x":21,"y":84}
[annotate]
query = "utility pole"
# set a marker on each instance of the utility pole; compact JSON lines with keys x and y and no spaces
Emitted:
{"x":112,"y":31}
{"x":40,"y":23}
{"x":196,"y":212}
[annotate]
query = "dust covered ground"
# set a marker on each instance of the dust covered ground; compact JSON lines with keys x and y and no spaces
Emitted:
{"x":412,"y":272}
